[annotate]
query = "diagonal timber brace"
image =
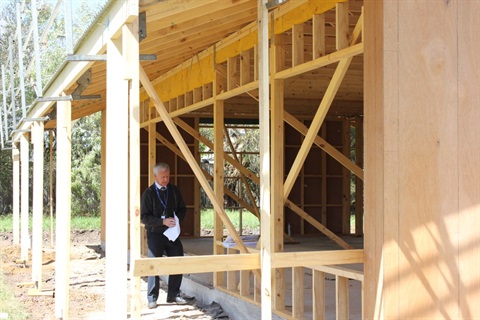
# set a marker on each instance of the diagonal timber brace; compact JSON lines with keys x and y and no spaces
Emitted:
{"x":191,"y":160}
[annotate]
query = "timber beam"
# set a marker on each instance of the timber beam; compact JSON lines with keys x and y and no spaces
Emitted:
{"x":196,"y":264}
{"x":235,"y":262}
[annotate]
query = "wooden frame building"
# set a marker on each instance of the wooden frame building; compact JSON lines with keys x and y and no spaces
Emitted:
{"x":307,"y":72}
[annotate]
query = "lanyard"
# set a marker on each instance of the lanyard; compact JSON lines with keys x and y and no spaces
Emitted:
{"x":164,"y":204}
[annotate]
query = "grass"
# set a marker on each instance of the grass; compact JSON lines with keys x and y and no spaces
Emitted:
{"x":77,"y":223}
{"x":248,"y":219}
{"x":9,"y":305}
{"x":93,"y":223}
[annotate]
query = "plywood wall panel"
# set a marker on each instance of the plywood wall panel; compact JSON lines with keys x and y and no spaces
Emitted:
{"x":313,"y":190}
{"x":469,"y":158}
{"x":427,"y":165}
{"x":422,"y":142}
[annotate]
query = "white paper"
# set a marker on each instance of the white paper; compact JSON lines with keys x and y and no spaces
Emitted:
{"x":172,"y":233}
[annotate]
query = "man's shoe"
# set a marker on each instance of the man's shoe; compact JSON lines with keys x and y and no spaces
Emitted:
{"x":177,"y":300}
{"x":152,"y":304}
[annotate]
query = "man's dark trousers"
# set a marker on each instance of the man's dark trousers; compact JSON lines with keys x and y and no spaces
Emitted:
{"x":158,"y":244}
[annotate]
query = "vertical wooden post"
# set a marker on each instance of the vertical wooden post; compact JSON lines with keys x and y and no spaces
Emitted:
{"x":318,"y":31}
{"x":297,"y":292}
{"x":116,"y":181}
{"x":63,"y":208}
{"x":342,"y":28}
{"x":50,"y":180}
{"x":233,"y":77}
{"x":196,"y":197}
{"x":131,"y":49}
{"x":358,"y":181}
{"x":244,"y":285}
{"x":341,"y":289}
{"x":218,"y":181}
{"x":16,"y":194}
{"x":37,"y":217}
{"x":245,"y":67}
{"x":298,"y":44}
{"x":318,"y":295}
{"x":277,"y":166}
{"x":346,"y":178}
{"x":103,"y":164}
{"x":24,"y":191}
{"x":152,"y":145}
{"x":231,"y":275}
{"x":323,"y":189}
{"x":267,"y":218}
{"x":374,"y":166}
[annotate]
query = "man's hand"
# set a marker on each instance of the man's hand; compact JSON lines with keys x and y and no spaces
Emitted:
{"x":169,"y":222}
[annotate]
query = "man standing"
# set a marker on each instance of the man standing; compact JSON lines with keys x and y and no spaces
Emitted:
{"x":162,"y":209}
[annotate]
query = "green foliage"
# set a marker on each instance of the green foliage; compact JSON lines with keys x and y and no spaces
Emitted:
{"x":86,"y":144}
{"x":6,"y":193}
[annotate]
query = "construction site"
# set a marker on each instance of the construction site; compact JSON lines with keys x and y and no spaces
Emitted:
{"x":368,"y":188}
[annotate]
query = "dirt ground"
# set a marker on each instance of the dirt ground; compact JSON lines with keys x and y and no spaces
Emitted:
{"x":87,"y":283}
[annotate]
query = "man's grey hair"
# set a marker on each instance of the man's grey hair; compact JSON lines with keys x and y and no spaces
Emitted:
{"x":162,"y":166}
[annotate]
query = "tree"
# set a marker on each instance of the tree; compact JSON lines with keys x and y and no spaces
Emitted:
{"x":85,"y":159}
{"x":86,"y":145}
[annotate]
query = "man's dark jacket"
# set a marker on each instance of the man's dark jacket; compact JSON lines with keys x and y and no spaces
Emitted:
{"x":152,"y":209}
